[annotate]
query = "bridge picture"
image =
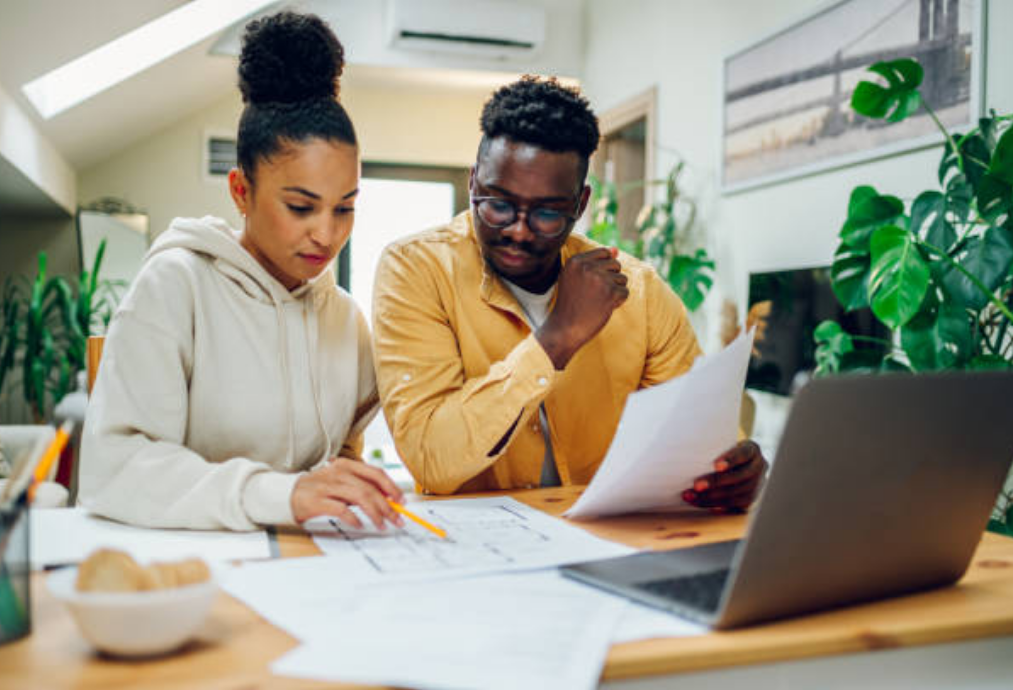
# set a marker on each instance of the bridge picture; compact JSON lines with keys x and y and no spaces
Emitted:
{"x":787,"y":98}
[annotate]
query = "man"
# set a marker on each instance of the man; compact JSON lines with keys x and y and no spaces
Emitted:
{"x":505,"y":345}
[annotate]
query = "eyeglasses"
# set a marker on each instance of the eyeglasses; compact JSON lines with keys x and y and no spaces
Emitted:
{"x":497,"y":212}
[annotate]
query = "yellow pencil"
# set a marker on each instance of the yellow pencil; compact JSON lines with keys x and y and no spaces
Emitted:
{"x":415,"y":518}
{"x":50,"y":456}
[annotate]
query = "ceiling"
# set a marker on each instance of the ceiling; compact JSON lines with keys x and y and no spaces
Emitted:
{"x":32,"y":43}
{"x":37,"y":36}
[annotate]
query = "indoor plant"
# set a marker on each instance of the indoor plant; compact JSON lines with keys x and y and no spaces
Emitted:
{"x":939,"y":272}
{"x":664,"y":233}
{"x":46,"y":324}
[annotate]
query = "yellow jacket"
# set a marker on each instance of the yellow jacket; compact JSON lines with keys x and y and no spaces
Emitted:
{"x":458,"y":367}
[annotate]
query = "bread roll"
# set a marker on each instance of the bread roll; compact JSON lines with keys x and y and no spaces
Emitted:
{"x":109,"y":570}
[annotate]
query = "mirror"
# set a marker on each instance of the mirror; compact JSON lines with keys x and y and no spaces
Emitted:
{"x":125,"y":229}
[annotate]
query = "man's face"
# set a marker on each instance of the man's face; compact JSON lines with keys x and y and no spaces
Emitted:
{"x":530,"y":178}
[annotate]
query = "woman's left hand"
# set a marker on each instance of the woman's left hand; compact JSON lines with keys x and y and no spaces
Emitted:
{"x":735,"y":484}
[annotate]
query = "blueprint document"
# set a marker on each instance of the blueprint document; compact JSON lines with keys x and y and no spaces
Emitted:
{"x":484,"y":535}
{"x":670,"y":434}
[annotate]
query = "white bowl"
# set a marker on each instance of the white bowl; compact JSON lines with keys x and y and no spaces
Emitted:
{"x":135,"y":623}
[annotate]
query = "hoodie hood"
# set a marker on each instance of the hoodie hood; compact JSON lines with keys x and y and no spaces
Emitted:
{"x":214,"y":237}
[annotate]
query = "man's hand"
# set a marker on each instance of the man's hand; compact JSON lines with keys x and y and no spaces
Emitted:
{"x":591,"y":285}
{"x":734,"y":485}
{"x":332,"y":488}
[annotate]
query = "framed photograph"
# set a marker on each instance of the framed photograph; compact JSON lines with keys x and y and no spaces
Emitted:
{"x":787,"y":97}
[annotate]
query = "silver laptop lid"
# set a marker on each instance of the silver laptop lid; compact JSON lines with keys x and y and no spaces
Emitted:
{"x":882,"y":485}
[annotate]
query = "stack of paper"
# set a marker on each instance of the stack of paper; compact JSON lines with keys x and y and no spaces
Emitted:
{"x":406,"y":608}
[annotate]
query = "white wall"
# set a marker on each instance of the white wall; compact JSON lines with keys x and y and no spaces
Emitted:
{"x":679,"y":45}
{"x":163,"y":173}
{"x":30,"y":152}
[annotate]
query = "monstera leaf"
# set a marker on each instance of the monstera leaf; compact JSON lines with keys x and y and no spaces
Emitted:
{"x":832,"y":344}
{"x":988,"y":258}
{"x":939,"y":337}
{"x":868,"y":211}
{"x":688,"y":276}
{"x":928,"y":220}
{"x":899,"y":277}
{"x":995,"y":193}
{"x":848,"y":277}
{"x":895,"y":101}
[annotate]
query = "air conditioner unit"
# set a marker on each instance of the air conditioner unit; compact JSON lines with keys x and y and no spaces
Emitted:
{"x":480,"y":28}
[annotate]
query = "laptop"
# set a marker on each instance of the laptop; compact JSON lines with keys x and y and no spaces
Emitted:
{"x":882,"y":485}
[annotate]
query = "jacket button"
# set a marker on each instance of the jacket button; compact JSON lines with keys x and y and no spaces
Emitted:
{"x":406,"y":377}
{"x":542,"y":381}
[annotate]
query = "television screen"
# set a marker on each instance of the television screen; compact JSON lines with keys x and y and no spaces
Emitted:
{"x":798,"y":301}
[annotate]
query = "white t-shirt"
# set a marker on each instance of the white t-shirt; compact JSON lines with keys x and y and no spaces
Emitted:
{"x":536,"y":309}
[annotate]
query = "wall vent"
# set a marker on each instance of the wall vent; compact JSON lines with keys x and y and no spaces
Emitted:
{"x":219,"y":155}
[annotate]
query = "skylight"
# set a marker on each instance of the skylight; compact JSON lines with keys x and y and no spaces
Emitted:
{"x":134,"y":52}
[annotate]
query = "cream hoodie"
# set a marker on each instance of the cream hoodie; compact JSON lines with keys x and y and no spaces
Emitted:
{"x":218,"y":386}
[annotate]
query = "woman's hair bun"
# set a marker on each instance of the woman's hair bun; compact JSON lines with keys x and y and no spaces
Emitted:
{"x":289,"y":57}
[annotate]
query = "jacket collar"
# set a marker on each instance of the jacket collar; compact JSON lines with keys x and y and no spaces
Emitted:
{"x":492,"y":290}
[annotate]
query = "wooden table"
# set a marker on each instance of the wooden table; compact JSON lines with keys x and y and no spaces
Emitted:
{"x":236,"y":646}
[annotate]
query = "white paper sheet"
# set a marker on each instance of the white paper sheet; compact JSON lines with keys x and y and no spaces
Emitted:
{"x":517,"y":631}
{"x":484,"y":535}
{"x":668,"y":435}
{"x":62,"y":536}
{"x":316,"y":604}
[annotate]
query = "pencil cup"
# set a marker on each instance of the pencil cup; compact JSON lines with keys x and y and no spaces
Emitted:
{"x":15,"y":572}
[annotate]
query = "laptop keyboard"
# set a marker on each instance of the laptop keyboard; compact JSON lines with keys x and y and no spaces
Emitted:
{"x":701,"y":591}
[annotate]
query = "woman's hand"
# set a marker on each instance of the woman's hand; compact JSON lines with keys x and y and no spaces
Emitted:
{"x":332,"y":488}
{"x":733,"y":487}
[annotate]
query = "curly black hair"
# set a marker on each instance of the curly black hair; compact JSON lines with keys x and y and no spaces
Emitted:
{"x":288,"y":75}
{"x":541,"y":112}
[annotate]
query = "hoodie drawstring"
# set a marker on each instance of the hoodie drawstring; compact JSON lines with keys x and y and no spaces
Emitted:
{"x":313,"y":361}
{"x":286,"y":376}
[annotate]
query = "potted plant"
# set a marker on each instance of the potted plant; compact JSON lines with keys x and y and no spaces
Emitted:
{"x":939,"y":271}
{"x":46,"y":324}
{"x":664,"y":235}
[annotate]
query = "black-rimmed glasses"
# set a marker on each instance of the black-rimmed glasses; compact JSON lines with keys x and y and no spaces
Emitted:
{"x":497,"y":212}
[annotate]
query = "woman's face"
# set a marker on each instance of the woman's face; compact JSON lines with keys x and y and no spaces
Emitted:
{"x":299,"y":209}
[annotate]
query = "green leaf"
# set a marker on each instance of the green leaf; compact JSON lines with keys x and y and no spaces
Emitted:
{"x":832,"y":345}
{"x":688,"y":277}
{"x":895,"y":101}
{"x":867,"y":213}
{"x":998,"y":527}
{"x":976,"y":155}
{"x":938,"y":337}
{"x":988,"y":258}
{"x":848,"y":276}
{"x":928,"y":220}
{"x":959,"y":194}
{"x":899,"y":277}
{"x":890,"y":364}
{"x":860,"y":195}
{"x":989,"y":363}
{"x":995,"y":199}
{"x":1001,"y":166}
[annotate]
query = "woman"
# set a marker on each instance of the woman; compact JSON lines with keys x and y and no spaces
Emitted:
{"x":237,"y":378}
